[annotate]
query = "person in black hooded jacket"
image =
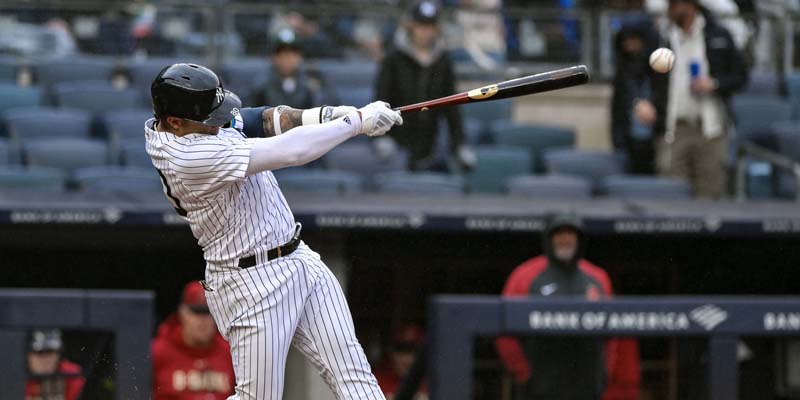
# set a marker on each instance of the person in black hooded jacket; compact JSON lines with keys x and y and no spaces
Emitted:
{"x":419,"y":69}
{"x":563,"y":368}
{"x":632,"y":82}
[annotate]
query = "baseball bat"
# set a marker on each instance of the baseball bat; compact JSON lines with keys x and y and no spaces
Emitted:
{"x":544,"y":82}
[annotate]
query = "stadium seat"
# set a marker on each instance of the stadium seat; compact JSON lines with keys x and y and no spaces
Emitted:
{"x":590,"y":164}
{"x":787,"y":136}
{"x":243,"y":76}
{"x":5,"y":152}
{"x":549,"y":187}
{"x":95,"y":97}
{"x":45,"y":122}
{"x":8,"y":68}
{"x":495,"y":165}
{"x":132,"y":153}
{"x":360,"y":158}
{"x":419,"y":183}
{"x":319,"y":181}
{"x":755,"y":116}
{"x":13,"y":96}
{"x":793,"y":86}
{"x":354,"y":96}
{"x":347,"y":73}
{"x":117,"y":179}
{"x":536,"y":138}
{"x":67,"y":154}
{"x":143,"y":72}
{"x":487,"y":113}
{"x":645,"y":187}
{"x":72,"y":69}
{"x":122,"y":126}
{"x":31,"y":178}
{"x":762,"y":84}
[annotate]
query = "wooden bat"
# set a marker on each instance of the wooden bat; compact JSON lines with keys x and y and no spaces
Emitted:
{"x":544,"y":82}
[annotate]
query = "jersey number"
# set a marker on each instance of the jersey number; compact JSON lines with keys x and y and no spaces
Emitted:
{"x":175,"y":202}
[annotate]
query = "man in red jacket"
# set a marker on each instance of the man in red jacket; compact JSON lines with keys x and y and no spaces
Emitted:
{"x":191,"y":361}
{"x":406,"y":340}
{"x":49,"y":375}
{"x":563,"y":368}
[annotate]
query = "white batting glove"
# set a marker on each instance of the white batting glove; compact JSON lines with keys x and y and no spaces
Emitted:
{"x":319,"y":115}
{"x":377,"y":118}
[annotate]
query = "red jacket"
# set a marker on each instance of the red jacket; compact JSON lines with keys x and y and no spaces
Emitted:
{"x":184,"y":373}
{"x":622,"y":355}
{"x":68,"y":381}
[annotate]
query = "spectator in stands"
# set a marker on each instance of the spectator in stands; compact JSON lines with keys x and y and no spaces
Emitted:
{"x":418,"y":69}
{"x":120,"y":77}
{"x":567,"y":368}
{"x":406,"y":340}
{"x":633,"y":44}
{"x":50,"y":376}
{"x":316,"y":42}
{"x":689,"y":107}
{"x":483,"y":32}
{"x":190,"y":358}
{"x":288,"y":83}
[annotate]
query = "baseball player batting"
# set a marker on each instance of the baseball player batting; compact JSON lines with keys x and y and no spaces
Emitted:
{"x":266,"y":289}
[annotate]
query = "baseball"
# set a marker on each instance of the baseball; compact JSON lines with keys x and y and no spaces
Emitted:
{"x":662,"y":60}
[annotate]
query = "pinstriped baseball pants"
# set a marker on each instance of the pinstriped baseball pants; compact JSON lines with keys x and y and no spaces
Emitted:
{"x":293,"y":300}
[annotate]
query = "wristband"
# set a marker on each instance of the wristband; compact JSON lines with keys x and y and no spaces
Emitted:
{"x":276,"y":119}
{"x":317,"y":115}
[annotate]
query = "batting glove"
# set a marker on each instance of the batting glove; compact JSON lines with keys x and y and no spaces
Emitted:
{"x":377,"y":118}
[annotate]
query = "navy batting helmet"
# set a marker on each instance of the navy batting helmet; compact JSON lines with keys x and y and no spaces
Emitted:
{"x":193,"y":92}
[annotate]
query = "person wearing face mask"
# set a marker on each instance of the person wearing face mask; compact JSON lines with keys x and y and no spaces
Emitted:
{"x":567,"y":368}
{"x":631,"y":135}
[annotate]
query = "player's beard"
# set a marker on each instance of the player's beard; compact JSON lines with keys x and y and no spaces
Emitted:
{"x":564,"y":254}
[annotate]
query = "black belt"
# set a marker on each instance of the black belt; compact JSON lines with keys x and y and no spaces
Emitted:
{"x":280,"y":251}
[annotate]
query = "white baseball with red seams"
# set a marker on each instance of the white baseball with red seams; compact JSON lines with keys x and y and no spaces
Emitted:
{"x":662,"y":60}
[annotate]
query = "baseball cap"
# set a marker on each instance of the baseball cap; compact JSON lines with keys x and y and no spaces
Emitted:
{"x":44,"y":340}
{"x":426,"y":11}
{"x":285,"y":39}
{"x":194,"y":296}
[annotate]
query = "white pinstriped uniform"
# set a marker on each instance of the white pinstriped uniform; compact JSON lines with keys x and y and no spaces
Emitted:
{"x":262,"y":310}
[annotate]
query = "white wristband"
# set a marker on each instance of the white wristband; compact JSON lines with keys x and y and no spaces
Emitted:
{"x":353,"y":119}
{"x":276,"y":120}
{"x":311,"y":116}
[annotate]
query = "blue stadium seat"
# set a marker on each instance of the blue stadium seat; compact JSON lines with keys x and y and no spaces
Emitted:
{"x":242,"y":76}
{"x":793,"y":86}
{"x":354,"y":96}
{"x":645,"y":187}
{"x":95,"y":97}
{"x":762,"y":84}
{"x":319,"y":181}
{"x":8,"y":68}
{"x":143,"y":73}
{"x":536,"y":138}
{"x":32,"y":178}
{"x":66,"y":154}
{"x":133,"y":154}
{"x":346,"y":73}
{"x":45,"y":122}
{"x":755,"y":116}
{"x":117,"y":179}
{"x":5,"y":152}
{"x":73,"y":69}
{"x":787,"y":136}
{"x":590,"y":164}
{"x":360,"y":158}
{"x":495,"y":165}
{"x":487,"y":113}
{"x":13,"y":96}
{"x":122,"y":126}
{"x":550,"y":187}
{"x":419,"y":183}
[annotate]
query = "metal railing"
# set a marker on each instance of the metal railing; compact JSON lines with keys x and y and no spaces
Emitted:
{"x":747,"y":151}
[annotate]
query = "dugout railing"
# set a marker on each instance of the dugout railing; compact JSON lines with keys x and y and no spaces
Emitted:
{"x":128,"y":315}
{"x":455,"y":322}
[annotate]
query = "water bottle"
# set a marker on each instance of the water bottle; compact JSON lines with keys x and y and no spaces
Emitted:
{"x":694,"y":69}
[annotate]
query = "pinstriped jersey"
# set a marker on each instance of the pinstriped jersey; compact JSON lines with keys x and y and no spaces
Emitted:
{"x":230,"y":214}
